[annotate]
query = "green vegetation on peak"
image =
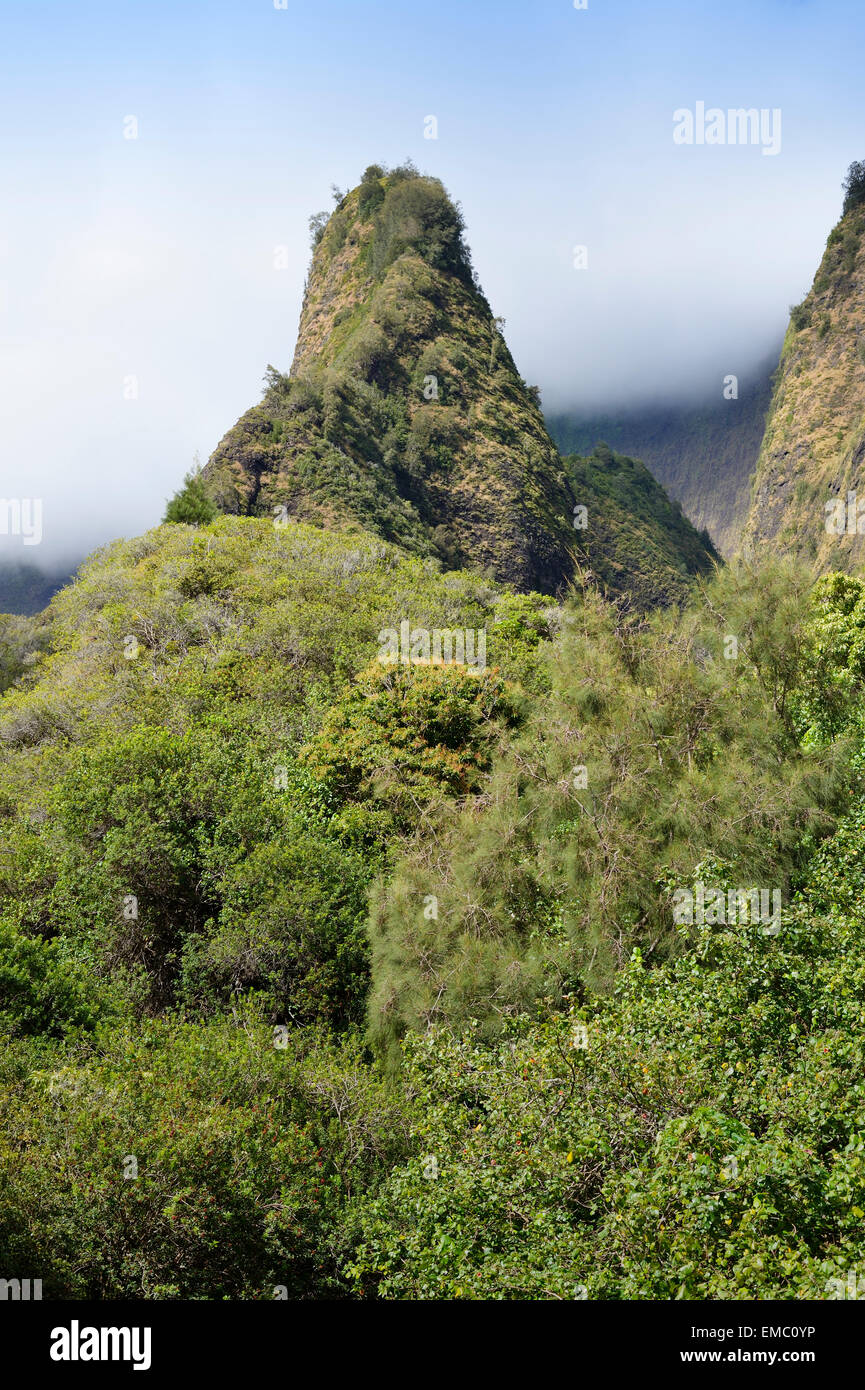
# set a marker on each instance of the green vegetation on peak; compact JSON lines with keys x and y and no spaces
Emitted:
{"x":854,"y":185}
{"x":405,"y":415}
{"x":192,"y":504}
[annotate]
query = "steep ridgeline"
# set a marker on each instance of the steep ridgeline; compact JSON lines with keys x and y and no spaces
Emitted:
{"x":703,"y":454}
{"x":404,"y":413}
{"x":642,"y":544}
{"x":813,"y":452}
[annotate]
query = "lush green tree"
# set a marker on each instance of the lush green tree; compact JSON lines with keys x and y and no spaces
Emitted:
{"x":406,"y":733}
{"x":317,"y":224}
{"x":192,"y":505}
{"x":371,"y":193}
{"x":44,"y":990}
{"x":854,"y":185}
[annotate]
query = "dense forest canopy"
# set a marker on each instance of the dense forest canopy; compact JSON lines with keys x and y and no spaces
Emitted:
{"x":370,"y":972}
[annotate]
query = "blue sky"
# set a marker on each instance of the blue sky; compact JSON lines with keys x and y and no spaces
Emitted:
{"x":145,"y":267}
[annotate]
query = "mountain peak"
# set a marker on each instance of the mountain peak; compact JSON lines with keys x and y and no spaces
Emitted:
{"x":389,"y":215}
{"x":405,"y":415}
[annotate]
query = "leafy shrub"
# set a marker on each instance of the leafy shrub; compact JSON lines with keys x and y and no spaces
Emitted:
{"x":700,"y":1140}
{"x":243,"y":1153}
{"x":43,"y":990}
{"x":371,"y":194}
{"x":404,"y":735}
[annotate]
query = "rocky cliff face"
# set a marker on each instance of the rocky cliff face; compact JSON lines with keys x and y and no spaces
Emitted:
{"x":812,"y":461}
{"x":404,"y":413}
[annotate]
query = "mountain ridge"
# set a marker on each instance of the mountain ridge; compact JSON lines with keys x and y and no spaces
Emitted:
{"x":813,"y":450}
{"x":404,"y":414}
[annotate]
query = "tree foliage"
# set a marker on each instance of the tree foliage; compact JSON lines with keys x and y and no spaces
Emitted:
{"x":192,"y":505}
{"x":354,"y":978}
{"x":854,"y":185}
